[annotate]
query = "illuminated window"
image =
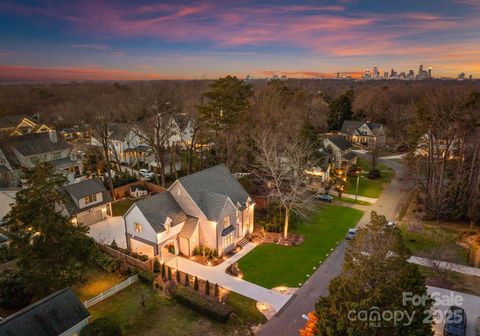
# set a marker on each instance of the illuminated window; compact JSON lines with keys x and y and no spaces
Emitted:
{"x":90,"y":199}
{"x":226,"y":222}
{"x":138,"y":228}
{"x":228,"y":240}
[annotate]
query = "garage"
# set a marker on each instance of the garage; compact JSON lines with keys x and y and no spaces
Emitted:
{"x":141,"y":248}
{"x":91,"y":217}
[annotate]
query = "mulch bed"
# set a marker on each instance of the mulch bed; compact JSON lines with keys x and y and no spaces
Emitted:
{"x":260,"y":236}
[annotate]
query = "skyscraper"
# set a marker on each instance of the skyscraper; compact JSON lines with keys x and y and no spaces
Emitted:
{"x":376,"y":74}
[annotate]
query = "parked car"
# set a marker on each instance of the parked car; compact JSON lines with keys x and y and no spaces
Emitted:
{"x":324,"y":197}
{"x":146,"y":173}
{"x":391,"y":224}
{"x":455,"y":322}
{"x":351,"y":234}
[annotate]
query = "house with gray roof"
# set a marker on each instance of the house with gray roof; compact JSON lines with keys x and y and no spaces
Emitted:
{"x":88,"y":202}
{"x":25,"y":151}
{"x":60,"y":313}
{"x":364,"y":133}
{"x":340,"y":148}
{"x":209,"y":208}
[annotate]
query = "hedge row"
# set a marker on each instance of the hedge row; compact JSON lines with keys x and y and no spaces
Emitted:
{"x":196,"y":301}
{"x":146,"y":277}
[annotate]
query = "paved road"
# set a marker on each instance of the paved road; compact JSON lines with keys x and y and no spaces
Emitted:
{"x":289,"y":320}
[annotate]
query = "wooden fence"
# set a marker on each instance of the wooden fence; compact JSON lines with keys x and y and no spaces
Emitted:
{"x":102,"y":296}
{"x":124,"y":191}
{"x":129,"y":260}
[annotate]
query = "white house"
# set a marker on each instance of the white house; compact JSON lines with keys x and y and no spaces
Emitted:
{"x":208,"y":208}
{"x":341,"y":151}
{"x":60,"y":313}
{"x":367,"y":134}
{"x":89,"y":202}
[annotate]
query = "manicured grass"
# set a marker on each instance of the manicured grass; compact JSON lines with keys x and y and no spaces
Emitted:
{"x":140,"y":310}
{"x":120,"y":207}
{"x":369,"y":187}
{"x":271,"y":265}
{"x":245,"y":308}
{"x":96,"y":281}
{"x":434,"y":240}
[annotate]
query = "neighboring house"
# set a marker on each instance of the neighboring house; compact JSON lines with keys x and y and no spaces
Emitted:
{"x":60,"y":313}
{"x":183,"y":132}
{"x":19,"y":125}
{"x":76,"y":132}
{"x":89,"y":202}
{"x":438,"y":146}
{"x":122,"y":138}
{"x":322,"y":172}
{"x":209,"y":208}
{"x":340,"y":148}
{"x":170,"y":166}
{"x":362,"y":133}
{"x":27,"y":150}
{"x":138,"y":191}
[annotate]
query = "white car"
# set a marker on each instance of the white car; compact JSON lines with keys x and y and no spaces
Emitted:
{"x":146,"y":173}
{"x":391,"y":224}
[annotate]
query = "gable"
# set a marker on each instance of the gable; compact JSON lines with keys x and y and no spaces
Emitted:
{"x":134,"y":215}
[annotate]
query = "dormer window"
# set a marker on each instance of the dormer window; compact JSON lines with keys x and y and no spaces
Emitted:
{"x":138,"y":228}
{"x":167,"y":227}
{"x":90,"y":199}
{"x":226,"y":222}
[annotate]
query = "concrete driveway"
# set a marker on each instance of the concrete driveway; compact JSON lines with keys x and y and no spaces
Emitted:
{"x":217,"y":274}
{"x":113,"y":228}
{"x":471,"y":304}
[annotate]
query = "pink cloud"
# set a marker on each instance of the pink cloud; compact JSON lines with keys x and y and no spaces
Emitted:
{"x":91,"y":46}
{"x":22,"y":73}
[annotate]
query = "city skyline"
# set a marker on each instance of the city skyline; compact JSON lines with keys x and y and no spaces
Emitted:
{"x":119,"y":40}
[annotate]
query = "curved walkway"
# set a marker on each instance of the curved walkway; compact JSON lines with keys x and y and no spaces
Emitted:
{"x":217,"y":274}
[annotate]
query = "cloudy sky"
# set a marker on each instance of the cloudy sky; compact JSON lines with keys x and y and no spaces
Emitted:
{"x":112,"y":40}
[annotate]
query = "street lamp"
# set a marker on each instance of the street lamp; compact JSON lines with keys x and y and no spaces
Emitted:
{"x":357,"y":173}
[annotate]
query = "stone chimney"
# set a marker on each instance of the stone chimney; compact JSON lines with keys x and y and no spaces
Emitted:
{"x":53,"y":136}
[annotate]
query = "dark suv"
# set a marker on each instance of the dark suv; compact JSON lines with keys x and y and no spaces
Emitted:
{"x":455,"y":322}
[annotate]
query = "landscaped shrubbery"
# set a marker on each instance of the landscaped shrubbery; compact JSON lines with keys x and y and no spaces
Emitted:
{"x":102,"y":327}
{"x":123,"y":178}
{"x":205,"y":251}
{"x":141,"y":257}
{"x":196,"y":301}
{"x":146,"y":277}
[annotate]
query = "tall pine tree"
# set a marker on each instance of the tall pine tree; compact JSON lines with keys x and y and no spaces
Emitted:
{"x":374,"y":277}
{"x":340,"y":110}
{"x":52,"y":251}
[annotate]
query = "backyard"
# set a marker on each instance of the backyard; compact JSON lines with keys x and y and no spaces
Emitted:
{"x":271,"y":265}
{"x":141,"y":310}
{"x":120,"y":207}
{"x":369,"y":187}
{"x":96,"y":281}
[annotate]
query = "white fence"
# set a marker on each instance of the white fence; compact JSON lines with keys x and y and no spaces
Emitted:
{"x":102,"y":296}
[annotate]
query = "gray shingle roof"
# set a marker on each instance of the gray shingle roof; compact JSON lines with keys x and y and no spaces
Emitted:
{"x":228,"y":230}
{"x":4,"y":169}
{"x":38,"y":143}
{"x":52,"y":315}
{"x":189,"y":227}
{"x":340,"y":142}
{"x":210,"y":187}
{"x":11,"y":120}
{"x":85,"y":188}
{"x":118,"y":131}
{"x":157,"y":208}
{"x":350,"y":156}
{"x":350,"y":126}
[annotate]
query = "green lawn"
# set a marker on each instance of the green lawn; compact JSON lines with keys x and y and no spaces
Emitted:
{"x":434,"y":240}
{"x":120,"y":207}
{"x":271,"y":265}
{"x":162,"y":315}
{"x":96,"y":281}
{"x":245,"y":308}
{"x":351,"y":201}
{"x":368,"y":187}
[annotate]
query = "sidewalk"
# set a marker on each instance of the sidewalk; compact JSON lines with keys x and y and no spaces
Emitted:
{"x":442,"y":264}
{"x":217,"y":274}
{"x":361,"y":198}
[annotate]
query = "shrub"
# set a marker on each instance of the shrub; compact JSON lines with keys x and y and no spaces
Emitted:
{"x":169,"y":273}
{"x":374,"y":174}
{"x":156,"y":266}
{"x":163,"y":271}
{"x":114,"y":244}
{"x":207,"y":288}
{"x":146,"y":277}
{"x":102,"y":327}
{"x":195,"y":284}
{"x":201,"y":304}
{"x":178,"y":276}
{"x":6,"y":253}
{"x":13,"y":292}
{"x":217,"y":291}
{"x":187,"y":282}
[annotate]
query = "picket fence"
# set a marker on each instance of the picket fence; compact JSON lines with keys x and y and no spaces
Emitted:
{"x":102,"y":296}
